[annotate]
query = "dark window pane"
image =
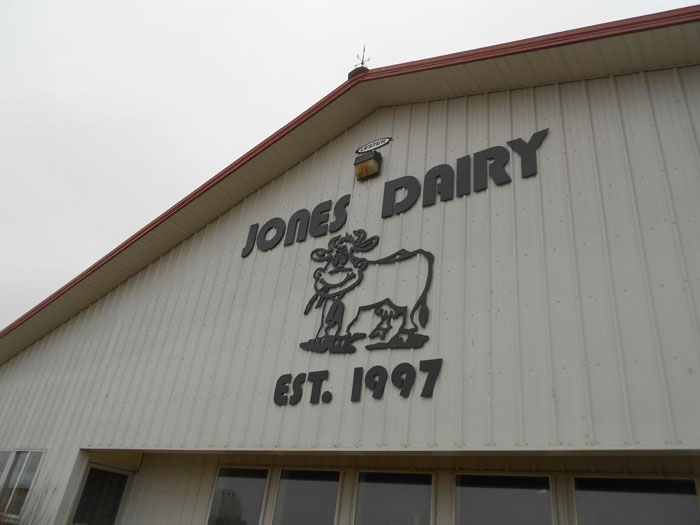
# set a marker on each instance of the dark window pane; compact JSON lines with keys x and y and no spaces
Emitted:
{"x":4,"y":460}
{"x":306,"y":497}
{"x":238,"y":497}
{"x":23,"y":484}
{"x":496,"y":500}
{"x":393,"y":499}
{"x":12,"y":479}
{"x":636,"y":501}
{"x":102,"y":494}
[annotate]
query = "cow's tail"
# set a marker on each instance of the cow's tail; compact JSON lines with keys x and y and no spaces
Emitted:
{"x":422,"y":304}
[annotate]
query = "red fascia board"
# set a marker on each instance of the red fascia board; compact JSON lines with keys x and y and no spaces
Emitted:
{"x":575,"y":36}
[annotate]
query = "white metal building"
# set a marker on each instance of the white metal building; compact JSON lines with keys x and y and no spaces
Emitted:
{"x":502,"y":326}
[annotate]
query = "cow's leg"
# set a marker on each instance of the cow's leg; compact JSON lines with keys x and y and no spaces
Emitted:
{"x":334,"y":318}
{"x":328,"y":338}
{"x":386,"y":312}
{"x":327,"y":334}
{"x":406,"y":336}
{"x":324,"y":311}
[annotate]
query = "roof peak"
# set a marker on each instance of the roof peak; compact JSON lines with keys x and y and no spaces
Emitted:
{"x":281,"y":150}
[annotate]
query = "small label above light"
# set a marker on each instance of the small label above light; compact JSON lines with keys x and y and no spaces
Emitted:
{"x":375,"y":144}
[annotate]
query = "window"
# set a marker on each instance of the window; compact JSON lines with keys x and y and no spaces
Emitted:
{"x":636,"y":501}
{"x":238,"y":497}
{"x":385,"y":498}
{"x":17,"y":472}
{"x":102,"y":494}
{"x":291,"y":496}
{"x":307,"y":497}
{"x":503,"y":500}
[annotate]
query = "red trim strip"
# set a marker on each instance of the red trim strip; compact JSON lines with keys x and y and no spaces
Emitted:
{"x":574,"y":36}
{"x":621,"y":27}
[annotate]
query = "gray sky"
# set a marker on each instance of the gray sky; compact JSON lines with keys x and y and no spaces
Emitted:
{"x":110,"y":112}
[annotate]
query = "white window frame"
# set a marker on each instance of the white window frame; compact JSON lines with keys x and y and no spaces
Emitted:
{"x":272,"y":491}
{"x":352,"y":505}
{"x":5,"y":473}
{"x":443,"y":501}
{"x":266,"y":493}
{"x":108,"y":467}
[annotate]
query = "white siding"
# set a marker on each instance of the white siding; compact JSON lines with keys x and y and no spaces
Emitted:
{"x":565,"y":306}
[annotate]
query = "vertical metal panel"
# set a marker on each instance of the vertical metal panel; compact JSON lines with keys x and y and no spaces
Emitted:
{"x":565,"y":306}
{"x":450,"y":277}
{"x":476,"y":409}
{"x":166,"y":490}
{"x":348,"y":486}
{"x":534,"y":336}
{"x":506,"y":384}
{"x":563,"y":500}
{"x":657,"y":256}
{"x":270,"y":497}
{"x":444,"y":498}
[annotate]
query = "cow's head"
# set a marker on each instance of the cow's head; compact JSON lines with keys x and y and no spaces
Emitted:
{"x":343,"y":268}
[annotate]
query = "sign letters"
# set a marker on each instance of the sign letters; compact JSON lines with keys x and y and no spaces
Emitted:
{"x":439,"y":181}
{"x":346,"y":269}
{"x":375,"y":144}
{"x":300,"y":223}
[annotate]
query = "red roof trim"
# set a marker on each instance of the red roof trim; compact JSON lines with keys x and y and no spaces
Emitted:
{"x":574,"y":36}
{"x":621,"y":27}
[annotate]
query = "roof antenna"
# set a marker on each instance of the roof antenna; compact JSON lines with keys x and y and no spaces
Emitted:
{"x":362,"y":58}
{"x":362,"y":66}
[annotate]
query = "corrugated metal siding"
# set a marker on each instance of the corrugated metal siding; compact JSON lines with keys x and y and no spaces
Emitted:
{"x":565,"y":306}
{"x":476,"y":72}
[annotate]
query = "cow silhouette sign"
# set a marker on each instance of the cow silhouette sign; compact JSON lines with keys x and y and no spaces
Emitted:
{"x":349,"y":280}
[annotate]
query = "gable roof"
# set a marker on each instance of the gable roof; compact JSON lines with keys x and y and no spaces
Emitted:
{"x":662,"y":40}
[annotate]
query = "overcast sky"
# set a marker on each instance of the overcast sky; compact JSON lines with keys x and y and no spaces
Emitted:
{"x":110,"y":112}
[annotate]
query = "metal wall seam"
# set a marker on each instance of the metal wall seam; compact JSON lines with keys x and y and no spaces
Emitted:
{"x":161,"y":422}
{"x":453,"y":246}
{"x":134,"y":349}
{"x":148,"y":356}
{"x":679,"y":151}
{"x":190,"y":381}
{"x":162,"y":349}
{"x":649,"y":216}
{"x":278,"y":285}
{"x":244,"y":291}
{"x":217,"y":326}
